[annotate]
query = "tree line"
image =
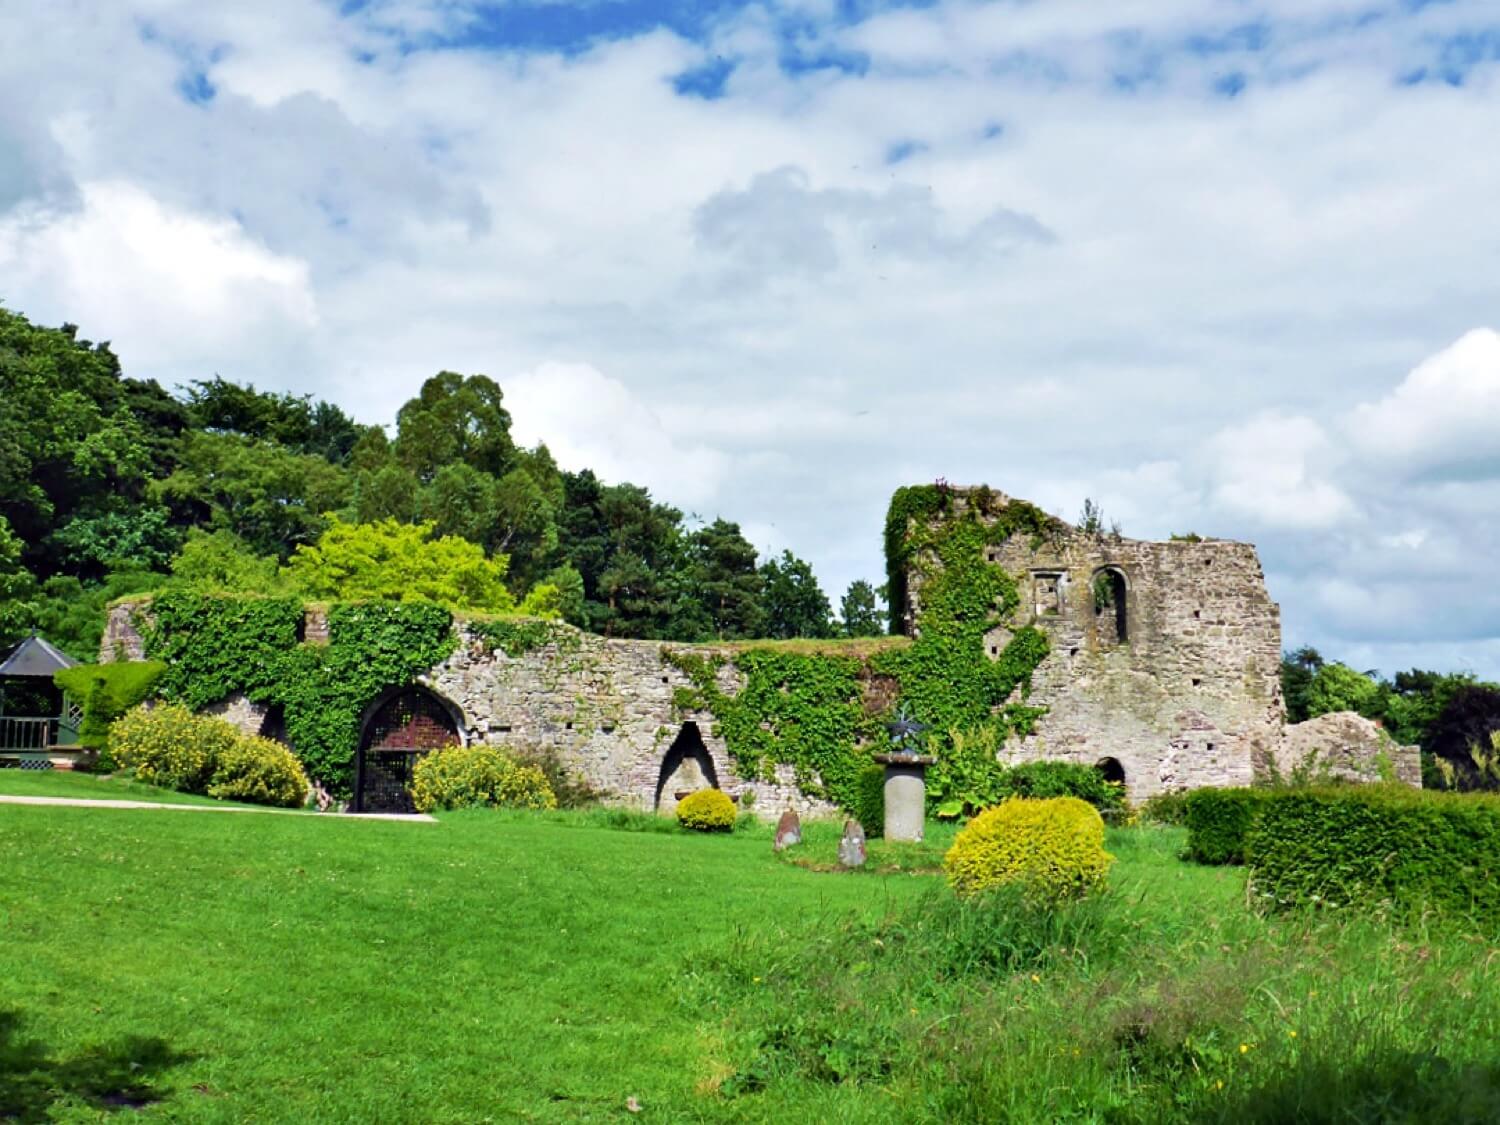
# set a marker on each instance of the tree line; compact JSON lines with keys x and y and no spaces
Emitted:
{"x":111,"y":485}
{"x":1454,"y":716}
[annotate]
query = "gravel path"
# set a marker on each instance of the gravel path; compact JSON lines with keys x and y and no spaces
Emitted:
{"x":86,"y":803}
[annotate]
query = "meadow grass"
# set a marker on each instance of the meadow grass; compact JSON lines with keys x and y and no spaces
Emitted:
{"x":512,"y":966}
{"x":94,"y":787}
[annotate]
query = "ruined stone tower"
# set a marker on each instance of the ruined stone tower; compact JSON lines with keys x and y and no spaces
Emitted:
{"x":1164,"y":659}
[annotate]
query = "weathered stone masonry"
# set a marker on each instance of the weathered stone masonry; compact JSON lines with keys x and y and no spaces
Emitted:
{"x":1164,"y":667}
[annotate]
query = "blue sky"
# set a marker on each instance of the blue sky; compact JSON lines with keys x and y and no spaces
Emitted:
{"x":1229,"y":266}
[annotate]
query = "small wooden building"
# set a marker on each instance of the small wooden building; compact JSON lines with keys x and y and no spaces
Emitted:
{"x":38,"y":721}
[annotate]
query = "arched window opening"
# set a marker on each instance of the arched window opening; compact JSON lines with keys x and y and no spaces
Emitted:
{"x":398,"y":729}
{"x":1111,"y":770}
{"x":686,"y":766}
{"x":1110,"y":623}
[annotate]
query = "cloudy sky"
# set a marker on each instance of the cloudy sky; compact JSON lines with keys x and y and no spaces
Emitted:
{"x":1230,"y":267}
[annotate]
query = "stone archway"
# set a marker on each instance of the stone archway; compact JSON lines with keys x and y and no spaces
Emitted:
{"x":401,"y":726}
{"x":686,"y":766}
{"x":1111,"y":616}
{"x":1111,"y":770}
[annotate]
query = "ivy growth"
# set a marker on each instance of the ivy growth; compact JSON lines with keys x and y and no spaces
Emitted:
{"x":795,"y":708}
{"x":517,"y":636}
{"x":215,"y":647}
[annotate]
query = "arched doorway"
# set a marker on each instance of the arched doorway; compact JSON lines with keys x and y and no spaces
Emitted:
{"x":1111,"y":624}
{"x":398,"y":728}
{"x":1111,"y":770}
{"x":686,"y":766}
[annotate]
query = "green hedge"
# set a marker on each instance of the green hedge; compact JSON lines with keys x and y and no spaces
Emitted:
{"x":1046,"y":779}
{"x":105,"y":692}
{"x":1217,"y":821}
{"x":1418,"y":850}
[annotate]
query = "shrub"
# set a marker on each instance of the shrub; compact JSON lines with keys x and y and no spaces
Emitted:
{"x":1166,"y":808}
{"x":869,"y":804}
{"x":259,"y":770}
{"x":168,"y":745}
{"x":1065,"y":779}
{"x":105,"y":692}
{"x":1414,"y":849}
{"x":1217,"y":820}
{"x":571,"y":791}
{"x":477,"y":776}
{"x":706,"y":810}
{"x":1052,"y":847}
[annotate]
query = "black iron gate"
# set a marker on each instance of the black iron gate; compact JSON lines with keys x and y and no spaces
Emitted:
{"x":408,"y":725}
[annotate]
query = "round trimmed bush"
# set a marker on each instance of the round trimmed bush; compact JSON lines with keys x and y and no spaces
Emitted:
{"x":706,"y":810}
{"x":1054,"y":848}
{"x":459,"y":777}
{"x":261,"y":771}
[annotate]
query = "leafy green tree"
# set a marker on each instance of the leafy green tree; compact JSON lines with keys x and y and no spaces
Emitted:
{"x":220,"y":561}
{"x":795,"y":605}
{"x":455,"y":418}
{"x":1337,"y":687}
{"x":569,"y":586}
{"x":390,"y":492}
{"x":460,"y":501}
{"x":17,"y":588}
{"x":390,"y":561}
{"x":523,"y":524}
{"x":272,"y":498}
{"x":133,"y":538}
{"x":295,"y":421}
{"x":724,"y":582}
{"x":1297,"y":671}
{"x":860,"y":611}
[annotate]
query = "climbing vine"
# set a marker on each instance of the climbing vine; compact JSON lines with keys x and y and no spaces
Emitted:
{"x":219,"y":646}
{"x":517,"y":636}
{"x":807,"y":710}
{"x":801,"y":709}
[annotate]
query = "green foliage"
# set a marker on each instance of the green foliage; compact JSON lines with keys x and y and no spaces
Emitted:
{"x":706,"y":810}
{"x":272,"y":498}
{"x":795,"y":606}
{"x":397,"y":562}
{"x":1218,"y":821}
{"x":71,"y":614}
{"x":868,"y":806}
{"x":222,"y":562}
{"x":217,"y":646}
{"x":516,"y":636}
{"x":294,"y":421}
{"x":1166,"y":808}
{"x":105,"y":692}
{"x":259,"y":771}
{"x":168,"y":745}
{"x":801,"y":709}
{"x":1053,"y":848}
{"x":1066,"y":779}
{"x":730,"y":590}
{"x":479,"y":776}
{"x":1337,"y":687}
{"x":1413,"y":850}
{"x":455,"y":419}
{"x":17,"y":588}
{"x":859,"y":611}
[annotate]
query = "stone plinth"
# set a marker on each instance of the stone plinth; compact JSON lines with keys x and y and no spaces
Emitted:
{"x":905,"y":795}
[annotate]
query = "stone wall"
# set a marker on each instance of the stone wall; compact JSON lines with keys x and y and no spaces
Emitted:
{"x":1349,"y":747}
{"x":1190,"y":696}
{"x":605,"y":707}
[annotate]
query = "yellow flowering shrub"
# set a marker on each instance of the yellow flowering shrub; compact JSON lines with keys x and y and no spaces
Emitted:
{"x":169,"y":746}
{"x":706,"y":810}
{"x":1053,"y":847}
{"x":458,"y":777}
{"x":261,"y":771}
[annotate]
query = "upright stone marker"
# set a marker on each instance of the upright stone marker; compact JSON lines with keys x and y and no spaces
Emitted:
{"x":852,"y":846}
{"x":788,"y":830}
{"x":905,"y":795}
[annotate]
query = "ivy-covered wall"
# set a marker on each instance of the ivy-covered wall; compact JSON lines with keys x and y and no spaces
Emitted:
{"x":1006,"y":657}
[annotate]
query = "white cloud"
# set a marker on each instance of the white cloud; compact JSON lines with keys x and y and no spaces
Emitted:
{"x":589,"y":420}
{"x":791,"y":325}
{"x":1444,"y":417}
{"x":170,"y":289}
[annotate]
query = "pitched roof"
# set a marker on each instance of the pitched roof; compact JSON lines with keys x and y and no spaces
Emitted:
{"x":35,"y":657}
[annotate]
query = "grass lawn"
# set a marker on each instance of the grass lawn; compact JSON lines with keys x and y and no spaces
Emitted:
{"x":508,"y":966}
{"x":94,"y":787}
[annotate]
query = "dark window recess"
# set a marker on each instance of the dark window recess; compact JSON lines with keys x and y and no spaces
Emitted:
{"x":1196,"y":681}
